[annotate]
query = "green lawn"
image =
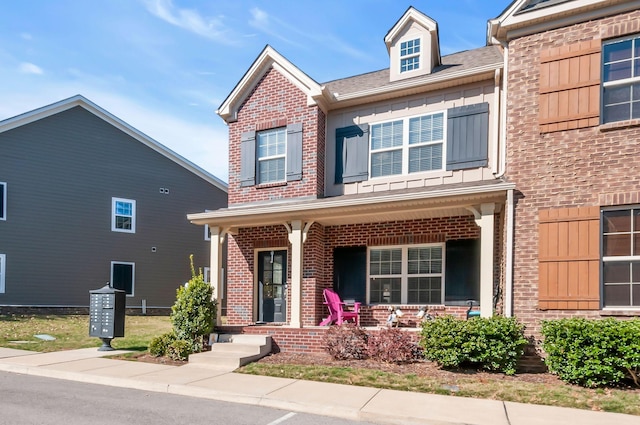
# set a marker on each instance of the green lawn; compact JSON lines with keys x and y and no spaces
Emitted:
{"x":71,"y":332}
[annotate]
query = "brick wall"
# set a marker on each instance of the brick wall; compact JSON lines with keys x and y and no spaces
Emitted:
{"x":568,"y":168}
{"x":276,"y":102}
{"x":318,"y":261}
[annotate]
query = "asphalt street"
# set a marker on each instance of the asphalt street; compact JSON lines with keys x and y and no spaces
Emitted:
{"x":30,"y":400}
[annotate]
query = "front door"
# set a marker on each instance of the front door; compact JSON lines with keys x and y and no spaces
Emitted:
{"x":272,"y":286}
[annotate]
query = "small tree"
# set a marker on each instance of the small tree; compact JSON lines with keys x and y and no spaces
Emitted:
{"x":194,"y":311}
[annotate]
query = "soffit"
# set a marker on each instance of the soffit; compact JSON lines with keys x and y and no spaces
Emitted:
{"x":407,"y":204}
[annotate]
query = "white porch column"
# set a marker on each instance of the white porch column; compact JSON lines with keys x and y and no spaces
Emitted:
{"x":485,"y":221}
{"x":215,"y":267}
{"x":295,"y":238}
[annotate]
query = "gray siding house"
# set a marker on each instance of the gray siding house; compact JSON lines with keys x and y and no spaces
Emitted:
{"x":86,"y":199}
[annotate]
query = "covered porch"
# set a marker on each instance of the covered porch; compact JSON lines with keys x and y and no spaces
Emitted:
{"x":290,"y":250}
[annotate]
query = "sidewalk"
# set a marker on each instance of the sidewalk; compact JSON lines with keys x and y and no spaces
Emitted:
{"x":350,"y":402}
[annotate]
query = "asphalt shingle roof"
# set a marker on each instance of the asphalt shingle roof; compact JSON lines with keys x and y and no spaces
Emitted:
{"x":453,"y":63}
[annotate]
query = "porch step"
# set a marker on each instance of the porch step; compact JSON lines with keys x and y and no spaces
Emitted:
{"x":232,"y":351}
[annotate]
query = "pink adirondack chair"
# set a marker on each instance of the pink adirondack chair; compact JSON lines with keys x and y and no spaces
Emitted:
{"x":337,"y":311}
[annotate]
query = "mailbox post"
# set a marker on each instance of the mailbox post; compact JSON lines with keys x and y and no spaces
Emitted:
{"x":106,"y":315}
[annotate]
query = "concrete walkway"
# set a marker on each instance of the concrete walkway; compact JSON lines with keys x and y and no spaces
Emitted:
{"x":345,"y":401}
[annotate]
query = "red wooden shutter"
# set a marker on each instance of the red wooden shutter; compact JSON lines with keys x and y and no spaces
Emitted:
{"x":569,"y":259}
{"x":570,"y":86}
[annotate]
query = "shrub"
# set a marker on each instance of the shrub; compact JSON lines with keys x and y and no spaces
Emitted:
{"x":179,"y":349}
{"x":493,"y":344}
{"x":194,"y":311}
{"x":392,"y":345}
{"x":158,"y":345}
{"x":346,"y":342}
{"x":593,"y":353}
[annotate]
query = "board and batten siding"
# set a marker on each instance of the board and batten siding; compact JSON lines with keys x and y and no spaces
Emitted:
{"x":569,"y":258}
{"x":410,"y":106}
{"x":63,"y":171}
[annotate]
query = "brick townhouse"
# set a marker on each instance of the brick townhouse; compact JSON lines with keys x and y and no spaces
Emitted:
{"x":506,"y":174}
{"x":387,"y":187}
{"x":573,"y":127}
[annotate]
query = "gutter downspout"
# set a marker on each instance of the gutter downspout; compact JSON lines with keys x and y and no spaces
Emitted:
{"x":496,"y":121}
{"x":510,"y":207}
{"x":503,"y":110}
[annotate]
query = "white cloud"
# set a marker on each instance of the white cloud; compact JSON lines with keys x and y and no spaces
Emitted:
{"x":262,"y":21}
{"x":190,"y":20}
{"x":29,"y":68}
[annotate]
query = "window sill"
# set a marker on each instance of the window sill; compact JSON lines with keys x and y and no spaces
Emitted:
{"x":620,"y":313}
{"x":270,"y":185}
{"x":618,"y":125}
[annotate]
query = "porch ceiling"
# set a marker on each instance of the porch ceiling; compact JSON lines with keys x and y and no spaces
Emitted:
{"x":399,"y":205}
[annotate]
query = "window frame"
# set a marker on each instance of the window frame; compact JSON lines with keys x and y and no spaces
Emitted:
{"x":619,"y":259}
{"x":283,"y":155}
{"x":3,"y":272}
{"x":404,"y":274}
{"x":406,"y":147}
{"x":413,"y":56}
{"x":133,"y":275}
{"x":622,"y":82}
{"x":114,"y":216}
{"x":3,"y":200}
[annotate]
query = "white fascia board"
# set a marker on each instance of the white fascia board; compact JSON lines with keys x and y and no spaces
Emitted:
{"x":410,"y":15}
{"x":511,"y":25}
{"x":339,"y":202}
{"x":267,"y":59}
{"x":79,"y":100}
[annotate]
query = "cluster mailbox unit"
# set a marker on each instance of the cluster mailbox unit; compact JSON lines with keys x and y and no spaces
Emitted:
{"x":106,"y":315}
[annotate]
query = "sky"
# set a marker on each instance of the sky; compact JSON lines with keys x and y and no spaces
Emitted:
{"x":165,"y":66}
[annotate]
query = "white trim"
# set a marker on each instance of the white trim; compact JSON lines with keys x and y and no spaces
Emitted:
{"x":3,"y":272}
{"x":3,"y":211}
{"x":114,"y":201}
{"x":414,"y":15}
{"x":404,"y":274}
{"x":78,"y":100}
{"x":133,"y":275}
{"x":406,"y":147}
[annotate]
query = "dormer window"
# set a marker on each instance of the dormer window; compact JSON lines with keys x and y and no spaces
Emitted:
{"x":409,"y":55}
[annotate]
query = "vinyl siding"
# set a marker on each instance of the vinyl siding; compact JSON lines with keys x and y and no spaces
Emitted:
{"x":63,"y":171}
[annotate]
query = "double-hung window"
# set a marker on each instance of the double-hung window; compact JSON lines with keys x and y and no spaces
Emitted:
{"x":621,"y":257}
{"x":272,"y":145}
{"x":621,"y":80}
{"x":411,"y":274}
{"x":123,"y":215}
{"x":409,"y":145}
{"x":409,"y":55}
{"x":3,"y":201}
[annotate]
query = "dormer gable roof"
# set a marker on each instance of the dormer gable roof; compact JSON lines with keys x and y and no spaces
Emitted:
{"x":81,"y":101}
{"x":267,"y":59}
{"x":413,"y":23}
{"x":526,"y":17}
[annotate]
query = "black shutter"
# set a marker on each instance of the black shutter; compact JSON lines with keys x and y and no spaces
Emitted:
{"x":248,"y":158}
{"x":467,"y":136}
{"x":462,"y":271}
{"x":2,"y":196}
{"x":352,"y":154}
{"x":294,"y":152}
